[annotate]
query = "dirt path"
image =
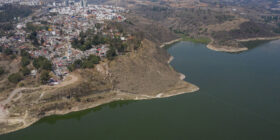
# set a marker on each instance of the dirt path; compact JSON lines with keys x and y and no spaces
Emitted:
{"x":70,"y":79}
{"x":5,"y":112}
{"x":11,"y":96}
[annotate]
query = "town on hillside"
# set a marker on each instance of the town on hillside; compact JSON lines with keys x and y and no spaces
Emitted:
{"x":63,"y":36}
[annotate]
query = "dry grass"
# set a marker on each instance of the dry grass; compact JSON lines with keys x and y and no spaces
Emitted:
{"x":226,"y":26}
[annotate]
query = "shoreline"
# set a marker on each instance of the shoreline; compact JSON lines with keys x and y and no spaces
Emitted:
{"x":212,"y":47}
{"x":226,"y":49}
{"x":235,"y":49}
{"x":170,"y":59}
{"x":258,"y":38}
{"x":120,"y":96}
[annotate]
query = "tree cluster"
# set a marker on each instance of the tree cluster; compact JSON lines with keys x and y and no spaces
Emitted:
{"x":25,"y":71}
{"x":25,"y":58}
{"x":86,"y":41}
{"x":8,"y":51}
{"x":42,"y":63}
{"x":111,"y":53}
{"x":117,"y":44}
{"x":15,"y":78}
{"x":44,"y":77}
{"x":45,"y":66}
{"x":85,"y":63}
{"x":30,"y":27}
{"x":33,"y":38}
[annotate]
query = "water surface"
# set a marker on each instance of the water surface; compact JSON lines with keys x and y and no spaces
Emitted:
{"x":239,"y":99}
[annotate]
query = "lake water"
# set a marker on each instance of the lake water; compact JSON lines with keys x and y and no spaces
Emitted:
{"x":239,"y":99}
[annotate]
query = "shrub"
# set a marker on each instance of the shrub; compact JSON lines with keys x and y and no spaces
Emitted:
{"x":15,"y":78}
{"x":25,"y":61}
{"x":21,"y":84}
{"x":8,"y":51}
{"x":25,"y":71}
{"x":42,"y":63}
{"x":44,"y":77}
{"x":13,"y":56}
{"x":111,"y":54}
{"x":84,"y":63}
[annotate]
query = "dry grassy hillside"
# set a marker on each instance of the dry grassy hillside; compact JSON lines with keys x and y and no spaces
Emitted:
{"x":145,"y":71}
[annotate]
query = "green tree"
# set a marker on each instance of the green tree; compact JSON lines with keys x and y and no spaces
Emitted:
{"x":98,"y":26}
{"x":111,"y":53}
{"x":94,"y":59}
{"x":8,"y":51}
{"x":47,"y":65}
{"x":82,"y":35}
{"x":33,"y":38}
{"x":25,"y":61}
{"x":87,"y":64}
{"x":2,"y":70}
{"x":13,"y":56}
{"x":25,"y":58}
{"x":90,"y":61}
{"x":15,"y":78}
{"x":78,"y":63}
{"x":33,"y":35}
{"x":44,"y":77}
{"x":31,"y":27}
{"x":88,"y":39}
{"x":24,"y":53}
{"x":25,"y":71}
{"x":71,"y":67}
{"x":42,"y":63}
{"x":42,"y":41}
{"x":122,"y":47}
{"x":84,"y":63}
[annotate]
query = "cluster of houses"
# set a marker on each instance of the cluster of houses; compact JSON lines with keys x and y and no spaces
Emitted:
{"x":22,"y":2}
{"x":99,"y":12}
{"x":56,"y":32}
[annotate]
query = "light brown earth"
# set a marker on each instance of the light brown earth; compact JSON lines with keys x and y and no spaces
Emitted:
{"x":227,"y":25}
{"x":226,"y":48}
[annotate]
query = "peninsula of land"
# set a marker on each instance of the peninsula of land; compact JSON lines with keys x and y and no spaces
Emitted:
{"x":60,"y":57}
{"x":107,"y":82}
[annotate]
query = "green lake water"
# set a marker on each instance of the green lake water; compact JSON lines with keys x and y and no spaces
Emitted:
{"x":239,"y":99}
